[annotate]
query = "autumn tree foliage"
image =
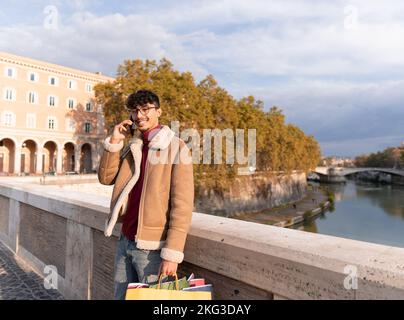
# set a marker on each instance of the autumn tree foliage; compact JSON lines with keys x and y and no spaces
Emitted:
{"x":392,"y":157}
{"x":206,"y":105}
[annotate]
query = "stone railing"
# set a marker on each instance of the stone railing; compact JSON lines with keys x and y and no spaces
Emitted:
{"x":243,"y":260}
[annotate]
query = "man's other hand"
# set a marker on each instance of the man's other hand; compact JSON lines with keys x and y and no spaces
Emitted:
{"x":168,"y":268}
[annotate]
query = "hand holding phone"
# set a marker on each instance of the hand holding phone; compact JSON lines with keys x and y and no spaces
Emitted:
{"x":121,"y":131}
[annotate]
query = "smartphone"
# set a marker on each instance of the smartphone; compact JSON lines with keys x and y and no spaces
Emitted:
{"x":133,"y":126}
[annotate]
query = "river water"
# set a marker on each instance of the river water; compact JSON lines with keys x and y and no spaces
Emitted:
{"x":363,"y":211}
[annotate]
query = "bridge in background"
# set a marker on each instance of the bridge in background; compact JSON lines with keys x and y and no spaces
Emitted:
{"x":338,"y":174}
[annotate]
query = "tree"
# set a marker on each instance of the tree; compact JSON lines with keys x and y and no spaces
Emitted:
{"x":388,"y":158}
{"x":205,"y":105}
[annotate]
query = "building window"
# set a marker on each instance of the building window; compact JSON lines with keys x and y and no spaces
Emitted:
{"x":9,"y":94}
{"x":10,"y":73}
{"x":89,"y":87}
{"x":72,"y":84}
{"x":31,"y":120}
{"x":51,"y":123}
{"x":87,"y":127}
{"x":52,"y":101}
{"x":32,"y":97}
{"x":53,"y":81}
{"x":70,"y":103}
{"x":33,"y":77}
{"x":88,"y":106}
{"x":9,"y":119}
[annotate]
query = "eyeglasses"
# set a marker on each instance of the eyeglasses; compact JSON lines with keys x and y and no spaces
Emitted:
{"x":143,"y":111}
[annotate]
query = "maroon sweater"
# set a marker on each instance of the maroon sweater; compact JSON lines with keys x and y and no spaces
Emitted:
{"x":129,"y":225}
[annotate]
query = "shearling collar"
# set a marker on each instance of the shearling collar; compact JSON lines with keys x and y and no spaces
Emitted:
{"x":161,"y":139}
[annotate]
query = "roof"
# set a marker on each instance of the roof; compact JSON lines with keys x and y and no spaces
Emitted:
{"x":54,"y":68}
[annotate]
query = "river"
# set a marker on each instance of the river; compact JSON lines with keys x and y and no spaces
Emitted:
{"x":363,"y":211}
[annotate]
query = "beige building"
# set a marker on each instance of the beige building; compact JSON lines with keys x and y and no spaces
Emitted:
{"x":49,"y":120}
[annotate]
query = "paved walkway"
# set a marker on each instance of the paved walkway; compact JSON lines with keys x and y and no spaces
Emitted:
{"x":19,"y":282}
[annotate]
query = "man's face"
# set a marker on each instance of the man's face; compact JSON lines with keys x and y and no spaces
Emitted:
{"x":147,"y":117}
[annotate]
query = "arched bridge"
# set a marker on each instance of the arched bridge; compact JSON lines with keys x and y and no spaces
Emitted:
{"x":338,"y":174}
{"x":341,"y":171}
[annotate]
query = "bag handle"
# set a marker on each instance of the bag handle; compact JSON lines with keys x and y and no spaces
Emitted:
{"x":176,"y":281}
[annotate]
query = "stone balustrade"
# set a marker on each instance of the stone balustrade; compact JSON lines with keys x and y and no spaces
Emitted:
{"x":243,"y":260}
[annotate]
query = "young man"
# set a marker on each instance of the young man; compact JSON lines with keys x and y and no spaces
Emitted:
{"x":153,"y":199}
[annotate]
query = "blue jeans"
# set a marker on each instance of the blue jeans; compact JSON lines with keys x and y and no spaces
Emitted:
{"x":134,"y":265}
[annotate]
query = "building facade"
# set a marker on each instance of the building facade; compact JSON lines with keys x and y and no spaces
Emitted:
{"x":49,"y":119}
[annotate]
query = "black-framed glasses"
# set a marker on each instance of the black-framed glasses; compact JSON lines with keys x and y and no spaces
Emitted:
{"x":143,"y":111}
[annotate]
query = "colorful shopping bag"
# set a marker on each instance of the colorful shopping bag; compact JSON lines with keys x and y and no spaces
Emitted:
{"x":166,"y":294}
{"x":172,"y":285}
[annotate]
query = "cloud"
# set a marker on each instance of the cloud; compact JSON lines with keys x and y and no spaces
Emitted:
{"x":313,"y":48}
{"x":80,"y":5}
{"x":355,"y":147}
{"x":97,"y":43}
{"x":212,"y":13}
{"x":341,"y":111}
{"x":334,"y":67}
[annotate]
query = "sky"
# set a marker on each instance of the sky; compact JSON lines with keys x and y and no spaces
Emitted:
{"x":336,"y":68}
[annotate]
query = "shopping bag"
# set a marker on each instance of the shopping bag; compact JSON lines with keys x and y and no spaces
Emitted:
{"x":166,"y":294}
{"x":171,"y":285}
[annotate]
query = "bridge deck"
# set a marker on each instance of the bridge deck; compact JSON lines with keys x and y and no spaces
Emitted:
{"x":342,"y":171}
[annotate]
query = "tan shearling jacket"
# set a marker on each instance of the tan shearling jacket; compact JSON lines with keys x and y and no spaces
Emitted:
{"x":167,"y":197}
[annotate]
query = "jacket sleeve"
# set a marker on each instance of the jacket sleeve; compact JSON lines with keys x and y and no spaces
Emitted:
{"x":181,"y":204}
{"x":109,"y":163}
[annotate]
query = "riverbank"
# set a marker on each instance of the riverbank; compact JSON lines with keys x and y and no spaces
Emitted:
{"x":252,"y":193}
{"x":315,"y":202}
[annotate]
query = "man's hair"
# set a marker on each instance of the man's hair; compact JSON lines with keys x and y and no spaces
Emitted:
{"x":141,"y":98}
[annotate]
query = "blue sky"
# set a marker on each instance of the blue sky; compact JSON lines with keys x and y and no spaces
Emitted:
{"x":335,"y":68}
